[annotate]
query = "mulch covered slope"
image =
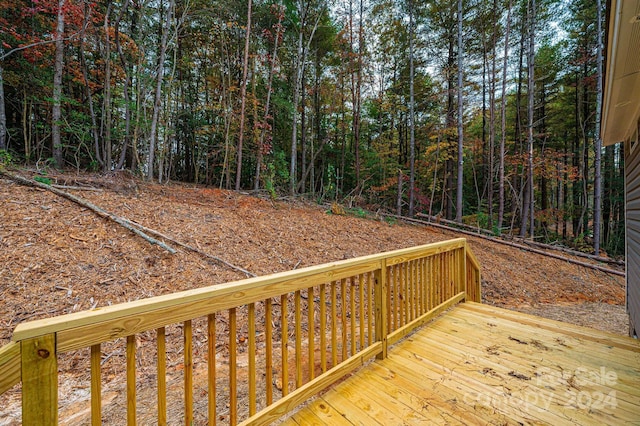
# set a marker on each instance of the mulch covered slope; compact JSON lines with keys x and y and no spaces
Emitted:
{"x":57,"y":257}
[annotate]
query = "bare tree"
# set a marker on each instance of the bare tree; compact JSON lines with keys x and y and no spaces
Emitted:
{"x":3,"y":116}
{"x":162,"y":50}
{"x":106,"y":101}
{"x":243,"y":96}
{"x":460,"y":111}
{"x":300,"y":62}
{"x":125,"y":91}
{"x":56,"y":111}
{"x":412,"y":115}
{"x":528,"y":209}
{"x":272,"y":62}
{"x":597,"y":183}
{"x":503,"y":113}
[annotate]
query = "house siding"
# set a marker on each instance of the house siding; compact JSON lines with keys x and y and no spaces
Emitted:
{"x":632,"y":193}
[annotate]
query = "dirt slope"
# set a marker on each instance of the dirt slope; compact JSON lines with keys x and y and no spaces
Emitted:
{"x":57,"y":257}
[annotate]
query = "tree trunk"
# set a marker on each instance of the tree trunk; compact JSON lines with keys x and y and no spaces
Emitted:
{"x":299,"y":71}
{"x":127,"y":83}
{"x":519,"y":176}
{"x":412,"y":116}
{"x":608,"y":194}
{"x":399,"y":195}
{"x":158,"y":90}
{"x":530,"y":113}
{"x":492,"y":122}
{"x":265,"y":119}
{"x":303,"y":135}
{"x":89,"y":95}
{"x":106,"y":104}
{"x":460,"y":134}
{"x":3,"y":116}
{"x":528,"y":208}
{"x":503,"y":113}
{"x":597,"y":183}
{"x":243,"y":97}
{"x":56,"y":112}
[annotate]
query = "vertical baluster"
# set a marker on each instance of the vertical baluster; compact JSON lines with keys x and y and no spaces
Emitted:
{"x":334,"y":324}
{"x":361,"y":305}
{"x":188,"y":373}
{"x":233,"y":367}
{"x":439,"y":278}
{"x":405,"y":299}
{"x":434,"y":283}
{"x":162,"y":375}
{"x":416,"y":286}
{"x":451,"y":273}
{"x":268,"y":309}
{"x":420,"y":275}
{"x":131,"y":380}
{"x":298,"y":316}
{"x":323,"y":327}
{"x":352,"y":313}
{"x":381,"y":307}
{"x":311,"y":334}
{"x":343,"y":323}
{"x":428,"y":284}
{"x":457,"y":261}
{"x":419,"y":287}
{"x":96,"y":386}
{"x":284,"y":337}
{"x":211,"y":368}
{"x":394,"y":289}
{"x":412,"y":291}
{"x":462,"y":270}
{"x":252,"y":359}
{"x":425,"y":283}
{"x":370,"y":312}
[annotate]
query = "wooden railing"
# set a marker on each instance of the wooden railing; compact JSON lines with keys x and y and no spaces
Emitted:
{"x":263,"y":345}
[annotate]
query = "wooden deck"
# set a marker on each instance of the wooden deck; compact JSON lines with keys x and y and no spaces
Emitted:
{"x":478,"y":364}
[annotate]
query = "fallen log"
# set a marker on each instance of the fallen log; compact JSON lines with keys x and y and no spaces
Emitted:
{"x":438,"y":219}
{"x":99,"y":211}
{"x":191,"y":248}
{"x":77,"y":188}
{"x":519,"y":246}
{"x":457,"y":225}
{"x":571,"y":252}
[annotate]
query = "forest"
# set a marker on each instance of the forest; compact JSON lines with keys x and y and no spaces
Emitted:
{"x":482,"y":112}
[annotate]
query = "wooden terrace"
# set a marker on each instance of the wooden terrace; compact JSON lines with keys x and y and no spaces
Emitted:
{"x":397,"y":338}
{"x":477,"y":364}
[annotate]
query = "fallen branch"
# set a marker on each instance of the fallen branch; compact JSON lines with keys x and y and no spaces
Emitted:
{"x":77,"y":188}
{"x":519,"y":246}
{"x":456,"y":225}
{"x":100,"y":212}
{"x":191,"y":248}
{"x":571,"y":252}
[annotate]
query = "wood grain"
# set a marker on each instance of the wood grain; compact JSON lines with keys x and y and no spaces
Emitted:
{"x":39,"y":381}
{"x":110,"y":322}
{"x":10,"y":373}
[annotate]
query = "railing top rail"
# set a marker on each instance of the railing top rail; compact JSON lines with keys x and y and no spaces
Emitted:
{"x":473,"y":259}
{"x":166,"y":308}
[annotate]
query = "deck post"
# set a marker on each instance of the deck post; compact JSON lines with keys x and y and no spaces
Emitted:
{"x":381,"y":307}
{"x":39,"y":380}
{"x":463,"y":285}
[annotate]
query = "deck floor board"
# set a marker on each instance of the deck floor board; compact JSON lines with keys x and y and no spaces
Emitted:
{"x":478,"y":364}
